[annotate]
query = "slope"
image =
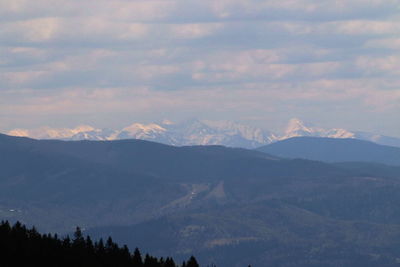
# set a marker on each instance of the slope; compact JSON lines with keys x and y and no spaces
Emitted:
{"x":212,"y":200}
{"x":334,"y":150}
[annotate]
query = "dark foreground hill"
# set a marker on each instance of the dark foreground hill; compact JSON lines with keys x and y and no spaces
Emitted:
{"x":334,"y":150}
{"x":22,"y":246}
{"x":231,"y":207}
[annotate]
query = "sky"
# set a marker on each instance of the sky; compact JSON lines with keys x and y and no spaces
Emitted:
{"x":108,"y":63}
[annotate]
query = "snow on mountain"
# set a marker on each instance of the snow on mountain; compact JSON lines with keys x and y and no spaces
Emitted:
{"x":52,"y":133}
{"x":247,"y":132}
{"x":338,"y":133}
{"x":200,"y":132}
{"x":297,"y":128}
{"x":95,"y":134}
{"x":194,"y":132}
{"x":191,"y":132}
{"x":377,"y":138}
{"x":150,"y":132}
{"x":141,"y":131}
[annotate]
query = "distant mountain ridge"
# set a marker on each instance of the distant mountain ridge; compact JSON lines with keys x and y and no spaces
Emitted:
{"x":334,"y":150}
{"x":201,"y":132}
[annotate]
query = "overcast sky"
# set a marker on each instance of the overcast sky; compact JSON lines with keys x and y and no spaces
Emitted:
{"x":108,"y":63}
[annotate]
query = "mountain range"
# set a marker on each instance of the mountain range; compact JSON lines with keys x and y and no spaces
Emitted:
{"x":201,"y":132}
{"x":229,"y":206}
{"x":334,"y":150}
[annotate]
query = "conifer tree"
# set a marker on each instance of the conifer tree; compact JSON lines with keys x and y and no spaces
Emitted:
{"x":192,"y":262}
{"x":20,"y":246}
{"x":169,"y":262}
{"x":137,"y":258}
{"x":78,"y":241}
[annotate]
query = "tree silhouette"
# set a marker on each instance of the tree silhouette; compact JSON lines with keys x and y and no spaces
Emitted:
{"x":137,"y":258}
{"x":192,"y":262}
{"x":20,"y":246}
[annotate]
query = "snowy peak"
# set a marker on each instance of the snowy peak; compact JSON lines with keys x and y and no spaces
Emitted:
{"x":82,"y":128}
{"x":339,"y":133}
{"x":294,"y":124}
{"x":200,"y":132}
{"x":297,"y":128}
{"x":234,"y":129}
{"x":52,"y":133}
{"x":138,"y":128}
{"x":140,"y":131}
{"x":206,"y":132}
{"x":20,"y":133}
{"x":190,"y":132}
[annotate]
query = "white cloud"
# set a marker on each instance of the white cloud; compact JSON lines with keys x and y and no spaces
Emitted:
{"x":305,"y":9}
{"x":386,"y":43}
{"x":233,"y":58}
{"x":355,"y":27}
{"x":195,"y":30}
{"x":22,"y":77}
{"x":389,"y":65}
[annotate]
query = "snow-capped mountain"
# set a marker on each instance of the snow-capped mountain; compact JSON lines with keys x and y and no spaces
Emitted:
{"x":377,"y":138}
{"x":77,"y":133}
{"x":191,"y":132}
{"x":200,"y":132}
{"x":196,"y":132}
{"x":95,"y":134}
{"x":297,"y":128}
{"x":140,"y":131}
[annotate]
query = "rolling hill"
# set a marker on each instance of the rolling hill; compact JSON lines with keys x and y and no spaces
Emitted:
{"x":334,"y":150}
{"x":232,"y":207}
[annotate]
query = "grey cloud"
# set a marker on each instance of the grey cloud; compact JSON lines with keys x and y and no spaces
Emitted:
{"x":189,"y":11}
{"x":228,"y":59}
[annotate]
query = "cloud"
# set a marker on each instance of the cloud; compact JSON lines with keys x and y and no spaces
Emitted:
{"x":388,"y":66}
{"x":228,"y":59}
{"x":355,"y":27}
{"x":386,"y":43}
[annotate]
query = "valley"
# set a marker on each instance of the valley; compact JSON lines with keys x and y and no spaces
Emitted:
{"x":229,"y":206}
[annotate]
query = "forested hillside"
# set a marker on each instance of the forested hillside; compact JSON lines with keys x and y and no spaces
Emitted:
{"x":22,"y":246}
{"x":334,"y":150}
{"x":231,"y":207}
